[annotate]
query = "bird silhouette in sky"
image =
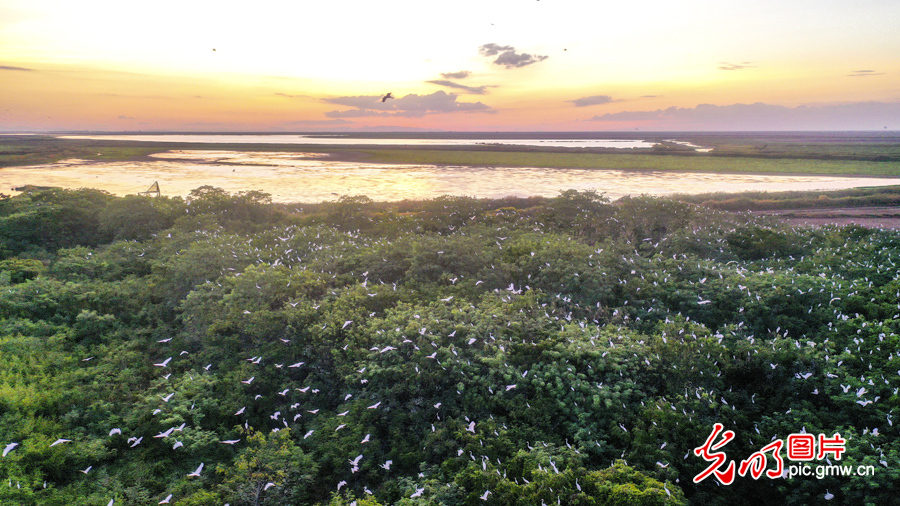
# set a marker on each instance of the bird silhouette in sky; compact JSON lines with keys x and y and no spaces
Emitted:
{"x":389,"y":95}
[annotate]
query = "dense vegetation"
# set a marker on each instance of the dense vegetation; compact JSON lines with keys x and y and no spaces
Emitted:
{"x":560,"y":351}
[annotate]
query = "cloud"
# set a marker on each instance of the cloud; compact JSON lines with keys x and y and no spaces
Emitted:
{"x":865,"y":73}
{"x":125,"y":117}
{"x":474,"y":90}
{"x":651,"y":96}
{"x":462,"y":74}
{"x":409,"y":106}
{"x":314,"y":124}
{"x":760,"y":116}
{"x":735,"y":66}
{"x":508,"y":57}
{"x":22,"y":69}
{"x":592,"y":100}
{"x":286,"y":95}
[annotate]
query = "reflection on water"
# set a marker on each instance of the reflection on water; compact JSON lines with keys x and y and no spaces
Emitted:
{"x":338,"y":139}
{"x":299,"y":177}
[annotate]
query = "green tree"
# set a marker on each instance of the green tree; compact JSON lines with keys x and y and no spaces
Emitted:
{"x":269,"y":470}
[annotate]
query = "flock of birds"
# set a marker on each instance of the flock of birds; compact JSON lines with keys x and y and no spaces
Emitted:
{"x":424,"y":342}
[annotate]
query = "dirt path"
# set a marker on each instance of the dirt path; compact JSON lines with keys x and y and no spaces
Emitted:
{"x":875,"y":217}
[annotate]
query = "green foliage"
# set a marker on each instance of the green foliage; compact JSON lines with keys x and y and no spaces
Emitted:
{"x":52,"y":219}
{"x":19,"y":270}
{"x":269,"y":470}
{"x":136,"y":218}
{"x":574,"y":351}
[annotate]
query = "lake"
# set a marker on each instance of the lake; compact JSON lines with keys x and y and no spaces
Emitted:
{"x":308,"y":177}
{"x":558,"y":141}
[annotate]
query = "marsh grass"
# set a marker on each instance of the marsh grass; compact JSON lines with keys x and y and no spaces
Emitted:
{"x":731,"y":155}
{"x":635,"y":161}
{"x":882,"y":196}
{"x":37,"y":150}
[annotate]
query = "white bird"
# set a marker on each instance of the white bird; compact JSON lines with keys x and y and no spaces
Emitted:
{"x":485,"y":495}
{"x":828,"y":495}
{"x":178,"y":444}
{"x":418,"y":492}
{"x":137,"y":441}
{"x":231,"y":441}
{"x":10,"y":447}
{"x":346,"y":324}
{"x":294,"y":366}
{"x":471,"y":427}
{"x":247,"y":382}
{"x":165,"y":434}
{"x":341,"y":484}
{"x":196,"y":473}
{"x":166,"y":398}
{"x":115,"y":431}
{"x":510,"y":387}
{"x":60,"y":441}
{"x":240,"y":411}
{"x":355,"y":461}
{"x":387,"y":465}
{"x":365,"y":439}
{"x":269,"y":485}
{"x":85,"y":471}
{"x":374,"y":406}
{"x":166,"y":500}
{"x":310,"y":433}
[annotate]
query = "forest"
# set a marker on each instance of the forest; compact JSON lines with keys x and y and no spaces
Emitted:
{"x":220,"y":348}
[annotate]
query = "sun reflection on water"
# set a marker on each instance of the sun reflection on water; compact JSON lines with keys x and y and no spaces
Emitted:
{"x":307,"y":177}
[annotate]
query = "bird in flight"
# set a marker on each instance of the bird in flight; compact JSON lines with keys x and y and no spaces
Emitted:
{"x":196,"y":473}
{"x":10,"y":447}
{"x":389,"y":95}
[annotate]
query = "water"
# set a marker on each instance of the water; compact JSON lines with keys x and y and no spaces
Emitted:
{"x":307,"y":177}
{"x":337,"y":139}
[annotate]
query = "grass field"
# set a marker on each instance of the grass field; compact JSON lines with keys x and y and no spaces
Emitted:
{"x":634,"y":161}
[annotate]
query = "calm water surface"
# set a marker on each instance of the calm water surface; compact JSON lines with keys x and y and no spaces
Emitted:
{"x":305,"y":177}
{"x":338,"y":139}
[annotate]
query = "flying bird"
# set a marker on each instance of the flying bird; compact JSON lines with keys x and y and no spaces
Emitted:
{"x":389,"y":95}
{"x":10,"y":447}
{"x":196,"y":473}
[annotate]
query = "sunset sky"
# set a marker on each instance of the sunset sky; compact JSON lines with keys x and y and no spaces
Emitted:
{"x":495,"y":65}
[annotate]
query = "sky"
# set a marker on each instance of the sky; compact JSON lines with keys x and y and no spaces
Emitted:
{"x":498,"y":65}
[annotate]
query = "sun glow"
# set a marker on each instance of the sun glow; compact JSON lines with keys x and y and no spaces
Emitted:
{"x":275,"y":64}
